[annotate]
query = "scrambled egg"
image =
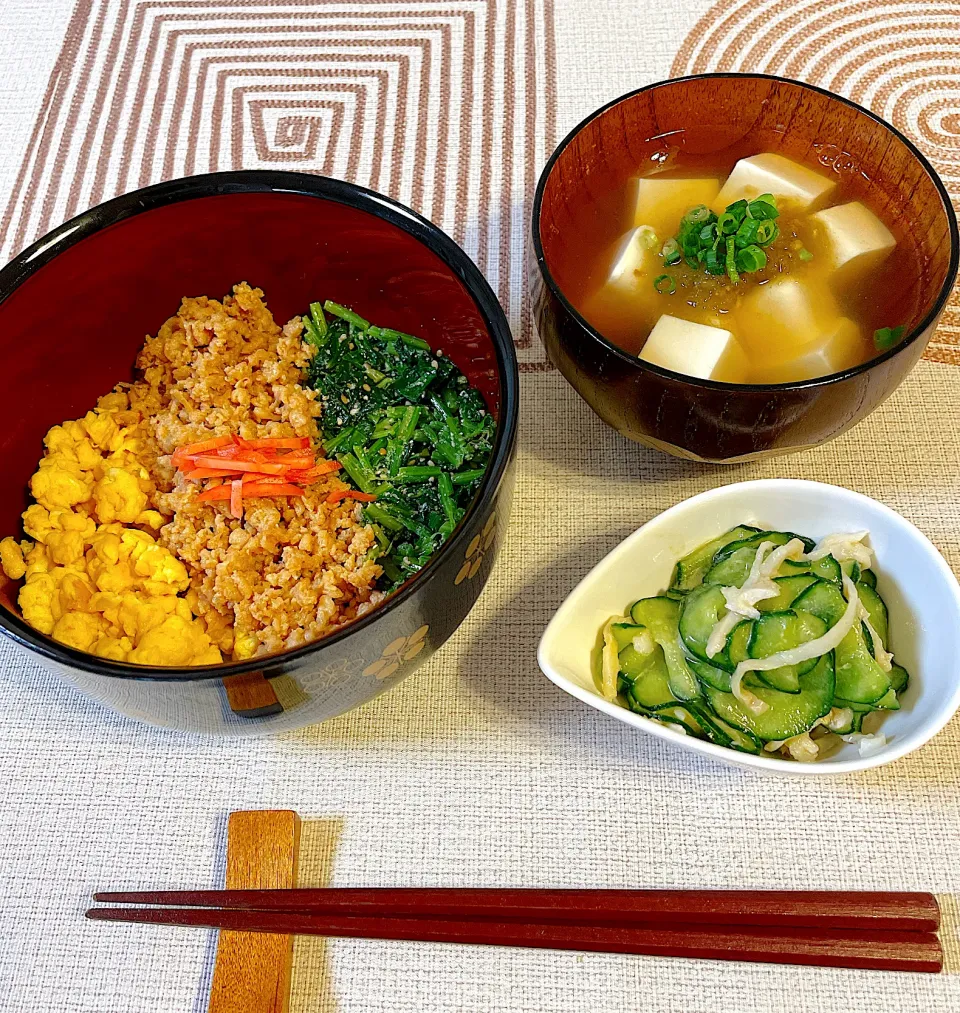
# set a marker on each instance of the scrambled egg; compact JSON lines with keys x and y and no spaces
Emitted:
{"x":95,"y":577}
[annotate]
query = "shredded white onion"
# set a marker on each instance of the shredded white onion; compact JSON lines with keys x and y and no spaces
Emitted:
{"x":791,"y":550}
{"x":721,"y":630}
{"x":643,"y":642}
{"x":749,"y":700}
{"x":804,"y":652}
{"x":843,"y":546}
{"x":609,"y":663}
{"x":801,"y":747}
{"x":724,"y":626}
{"x":867,"y":745}
{"x":880,"y":654}
{"x":839,"y":717}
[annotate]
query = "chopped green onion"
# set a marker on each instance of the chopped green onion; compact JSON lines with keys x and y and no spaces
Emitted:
{"x":727,"y":224}
{"x":647,"y":237}
{"x":671,"y":252}
{"x":665,"y":284}
{"x":747,"y":233}
{"x":714,"y":263}
{"x":698,"y":215}
{"x":750,"y":259}
{"x":344,"y":313}
{"x":767,"y":231}
{"x":729,"y":244}
{"x":805,"y":254}
{"x":732,"y":261}
{"x":763,"y":207}
{"x":887,"y":337}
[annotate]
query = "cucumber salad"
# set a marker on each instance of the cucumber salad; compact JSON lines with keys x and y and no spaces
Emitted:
{"x":766,"y":641}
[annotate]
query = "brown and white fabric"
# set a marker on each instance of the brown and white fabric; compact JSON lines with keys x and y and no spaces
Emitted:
{"x":475,"y":771}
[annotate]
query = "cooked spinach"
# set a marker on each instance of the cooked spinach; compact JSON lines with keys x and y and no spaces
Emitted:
{"x":407,"y":427}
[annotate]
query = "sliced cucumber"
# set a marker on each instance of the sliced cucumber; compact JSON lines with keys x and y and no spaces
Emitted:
{"x":826,"y":569}
{"x":634,"y":663}
{"x":689,"y":571}
{"x":787,"y":714}
{"x":738,"y":643}
{"x":732,"y":570}
{"x":732,"y":563}
{"x":623,"y":633}
{"x":868,"y":577}
{"x":710,"y":674}
{"x":722,"y":733}
{"x":702,"y":609}
{"x":899,"y":678}
{"x":824,"y":600}
{"x":859,"y":677}
{"x":661,"y":616}
{"x":867,"y":639}
{"x":741,"y":740}
{"x":888,"y":702}
{"x":648,"y":683}
{"x":788,"y":588}
{"x":876,"y":609}
{"x":851,"y":568}
{"x":708,"y":722}
{"x":776,"y":537}
{"x":683,"y":717}
{"x":779,"y":631}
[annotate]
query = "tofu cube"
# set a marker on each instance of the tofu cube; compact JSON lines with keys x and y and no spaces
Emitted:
{"x":790,"y":182}
{"x":634,"y":255}
{"x":840,"y":347}
{"x":710,"y":353}
{"x":663,"y":202}
{"x":852,"y":238}
{"x":783,"y":319}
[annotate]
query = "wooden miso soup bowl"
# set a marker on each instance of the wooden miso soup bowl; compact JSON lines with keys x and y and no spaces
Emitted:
{"x":704,"y":419}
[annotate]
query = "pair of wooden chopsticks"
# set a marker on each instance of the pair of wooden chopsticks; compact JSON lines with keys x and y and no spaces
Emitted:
{"x":878,"y":931}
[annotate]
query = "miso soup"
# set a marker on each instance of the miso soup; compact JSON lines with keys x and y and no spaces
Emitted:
{"x":756,"y":269}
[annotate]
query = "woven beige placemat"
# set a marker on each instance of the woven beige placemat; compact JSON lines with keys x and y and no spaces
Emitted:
{"x":476,"y":770}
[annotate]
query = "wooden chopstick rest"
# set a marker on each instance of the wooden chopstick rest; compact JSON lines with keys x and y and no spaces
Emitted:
{"x":252,"y":971}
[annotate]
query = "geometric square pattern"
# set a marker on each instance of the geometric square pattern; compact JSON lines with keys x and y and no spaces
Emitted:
{"x":447,"y":105}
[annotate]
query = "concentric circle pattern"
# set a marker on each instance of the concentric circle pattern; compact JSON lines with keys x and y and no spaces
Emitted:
{"x":899,"y":59}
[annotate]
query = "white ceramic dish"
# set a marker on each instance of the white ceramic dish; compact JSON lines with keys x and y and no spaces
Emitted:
{"x":921,"y":591}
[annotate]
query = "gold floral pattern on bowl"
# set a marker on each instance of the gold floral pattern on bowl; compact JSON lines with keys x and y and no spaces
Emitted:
{"x":476,"y":550}
{"x":397,"y":652}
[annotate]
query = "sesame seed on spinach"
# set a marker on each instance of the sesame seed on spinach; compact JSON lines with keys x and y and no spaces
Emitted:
{"x":405,"y":425}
